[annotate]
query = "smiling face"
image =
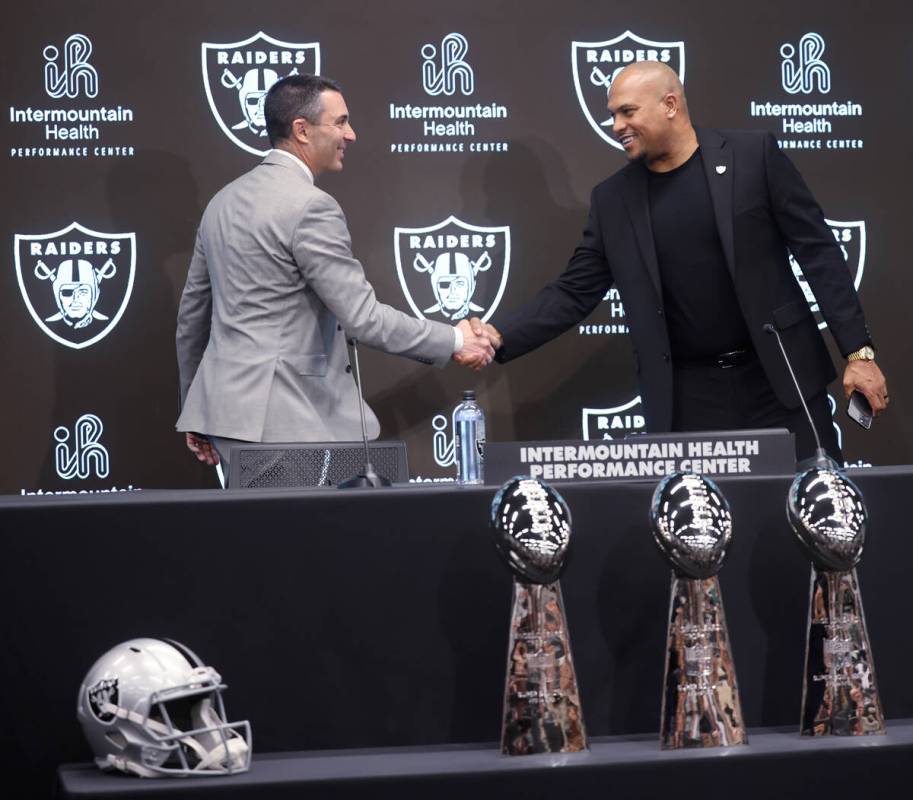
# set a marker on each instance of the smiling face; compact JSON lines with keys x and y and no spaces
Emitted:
{"x":327,"y":139}
{"x":650,"y":115}
{"x":641,"y":111}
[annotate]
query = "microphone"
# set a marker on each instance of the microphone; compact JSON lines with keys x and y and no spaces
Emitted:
{"x":368,"y":477}
{"x":822,"y":459}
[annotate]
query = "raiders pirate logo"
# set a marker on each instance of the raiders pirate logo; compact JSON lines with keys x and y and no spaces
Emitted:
{"x":100,"y":695}
{"x":595,"y":65}
{"x":613,"y":423}
{"x":850,"y":236}
{"x":237,"y":76}
{"x":452,"y":270}
{"x":76,"y":282}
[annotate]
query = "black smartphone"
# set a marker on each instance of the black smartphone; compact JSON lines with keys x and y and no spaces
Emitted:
{"x":859,"y":410}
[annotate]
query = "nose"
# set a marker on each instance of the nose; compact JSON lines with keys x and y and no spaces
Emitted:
{"x":618,"y":125}
{"x":349,"y":134}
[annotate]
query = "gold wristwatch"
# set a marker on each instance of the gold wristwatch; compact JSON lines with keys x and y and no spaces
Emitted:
{"x":866,"y":353}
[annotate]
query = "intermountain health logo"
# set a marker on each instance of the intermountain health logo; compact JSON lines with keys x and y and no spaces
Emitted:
{"x":443,"y":444}
{"x":79,"y":454}
{"x":807,"y":118}
{"x":613,"y":423}
{"x":595,"y":65}
{"x":237,"y":76}
{"x":607,"y":319}
{"x":851,"y":238}
{"x":452,"y":123}
{"x":75,"y":125}
{"x":75,"y":282}
{"x":452,"y":270}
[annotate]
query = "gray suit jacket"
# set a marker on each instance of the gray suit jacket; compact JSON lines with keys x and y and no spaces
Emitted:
{"x":272,"y":292}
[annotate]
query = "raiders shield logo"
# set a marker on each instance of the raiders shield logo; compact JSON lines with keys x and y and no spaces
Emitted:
{"x":595,"y":65}
{"x":452,"y":270}
{"x":238,"y":75}
{"x":613,"y":423}
{"x":76,"y":282}
{"x":100,"y":695}
{"x":851,"y":238}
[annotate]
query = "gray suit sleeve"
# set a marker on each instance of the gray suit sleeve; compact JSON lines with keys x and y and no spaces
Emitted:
{"x":194,"y":318}
{"x":322,"y":249}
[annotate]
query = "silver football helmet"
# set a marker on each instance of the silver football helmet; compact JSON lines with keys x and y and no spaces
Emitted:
{"x":150,"y":707}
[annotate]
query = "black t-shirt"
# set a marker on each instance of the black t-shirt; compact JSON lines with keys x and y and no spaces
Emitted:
{"x":702,"y":312}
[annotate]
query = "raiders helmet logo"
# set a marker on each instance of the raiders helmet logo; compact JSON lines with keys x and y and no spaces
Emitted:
{"x":100,"y":696}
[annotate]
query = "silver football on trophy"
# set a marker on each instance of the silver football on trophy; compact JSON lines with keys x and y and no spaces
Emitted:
{"x":691,"y":524}
{"x":532,"y":527}
{"x":829,"y":517}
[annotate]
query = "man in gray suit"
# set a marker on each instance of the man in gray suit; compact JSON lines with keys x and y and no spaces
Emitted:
{"x":273,"y":291}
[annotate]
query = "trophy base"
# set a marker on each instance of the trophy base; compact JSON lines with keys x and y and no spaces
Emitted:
{"x":840,"y":695}
{"x":542,"y":712}
{"x":701,"y":705}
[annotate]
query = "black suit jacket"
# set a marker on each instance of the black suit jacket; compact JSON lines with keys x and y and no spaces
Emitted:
{"x":763,"y":209}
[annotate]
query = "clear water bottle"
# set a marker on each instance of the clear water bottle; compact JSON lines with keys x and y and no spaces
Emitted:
{"x":469,"y":440}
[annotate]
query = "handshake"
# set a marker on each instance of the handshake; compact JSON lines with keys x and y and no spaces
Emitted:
{"x":480,"y":340}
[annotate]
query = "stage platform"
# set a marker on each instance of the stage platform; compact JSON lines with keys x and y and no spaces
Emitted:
{"x":774,"y":764}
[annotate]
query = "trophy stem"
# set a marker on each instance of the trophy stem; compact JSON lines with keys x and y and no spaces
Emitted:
{"x":839,"y":693}
{"x":701,"y":705}
{"x":542,"y":712}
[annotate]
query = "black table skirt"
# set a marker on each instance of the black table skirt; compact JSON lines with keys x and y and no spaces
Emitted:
{"x":378,"y":618}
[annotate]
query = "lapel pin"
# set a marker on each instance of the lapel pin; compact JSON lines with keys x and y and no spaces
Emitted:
{"x":721,"y":168}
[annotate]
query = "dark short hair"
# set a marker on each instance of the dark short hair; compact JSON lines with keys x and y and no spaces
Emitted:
{"x":293,"y":97}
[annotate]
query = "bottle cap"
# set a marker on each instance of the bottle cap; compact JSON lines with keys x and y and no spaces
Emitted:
{"x":469,"y":394}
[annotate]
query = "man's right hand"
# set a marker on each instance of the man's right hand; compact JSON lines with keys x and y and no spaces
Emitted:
{"x":477,"y":351}
{"x":479,"y":328}
{"x":202,"y":448}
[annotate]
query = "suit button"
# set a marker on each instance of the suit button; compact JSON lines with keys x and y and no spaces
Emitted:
{"x":666,"y":357}
{"x":348,"y":367}
{"x":659,"y":311}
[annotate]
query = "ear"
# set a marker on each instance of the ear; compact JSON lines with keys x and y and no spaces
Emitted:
{"x":300,"y":130}
{"x":670,"y":105}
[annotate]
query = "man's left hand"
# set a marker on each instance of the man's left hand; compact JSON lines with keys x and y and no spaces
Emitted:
{"x":867,"y":378}
{"x":202,"y":448}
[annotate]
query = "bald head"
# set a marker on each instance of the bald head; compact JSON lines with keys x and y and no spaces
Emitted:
{"x":651,"y":120}
{"x":653,"y":77}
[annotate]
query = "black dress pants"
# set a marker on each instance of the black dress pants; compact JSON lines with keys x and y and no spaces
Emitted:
{"x":708,"y":398}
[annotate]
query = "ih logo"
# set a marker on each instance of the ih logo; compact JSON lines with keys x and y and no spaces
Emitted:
{"x":851,"y":238}
{"x":805,"y":71}
{"x":595,"y":65}
{"x":611,"y":423}
{"x":80,"y":454}
{"x":76,"y":282}
{"x":443,"y":440}
{"x":447,"y":72}
{"x":101,"y":695}
{"x":63,"y":76}
{"x":238,"y":75}
{"x":452,"y":270}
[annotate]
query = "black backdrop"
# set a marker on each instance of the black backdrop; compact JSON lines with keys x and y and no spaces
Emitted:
{"x":147,"y":64}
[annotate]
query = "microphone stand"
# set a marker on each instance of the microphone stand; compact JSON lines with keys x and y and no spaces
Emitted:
{"x":368,"y":477}
{"x":821,"y":459}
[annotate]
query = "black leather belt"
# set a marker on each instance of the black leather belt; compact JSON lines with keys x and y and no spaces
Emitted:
{"x":722,"y":361}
